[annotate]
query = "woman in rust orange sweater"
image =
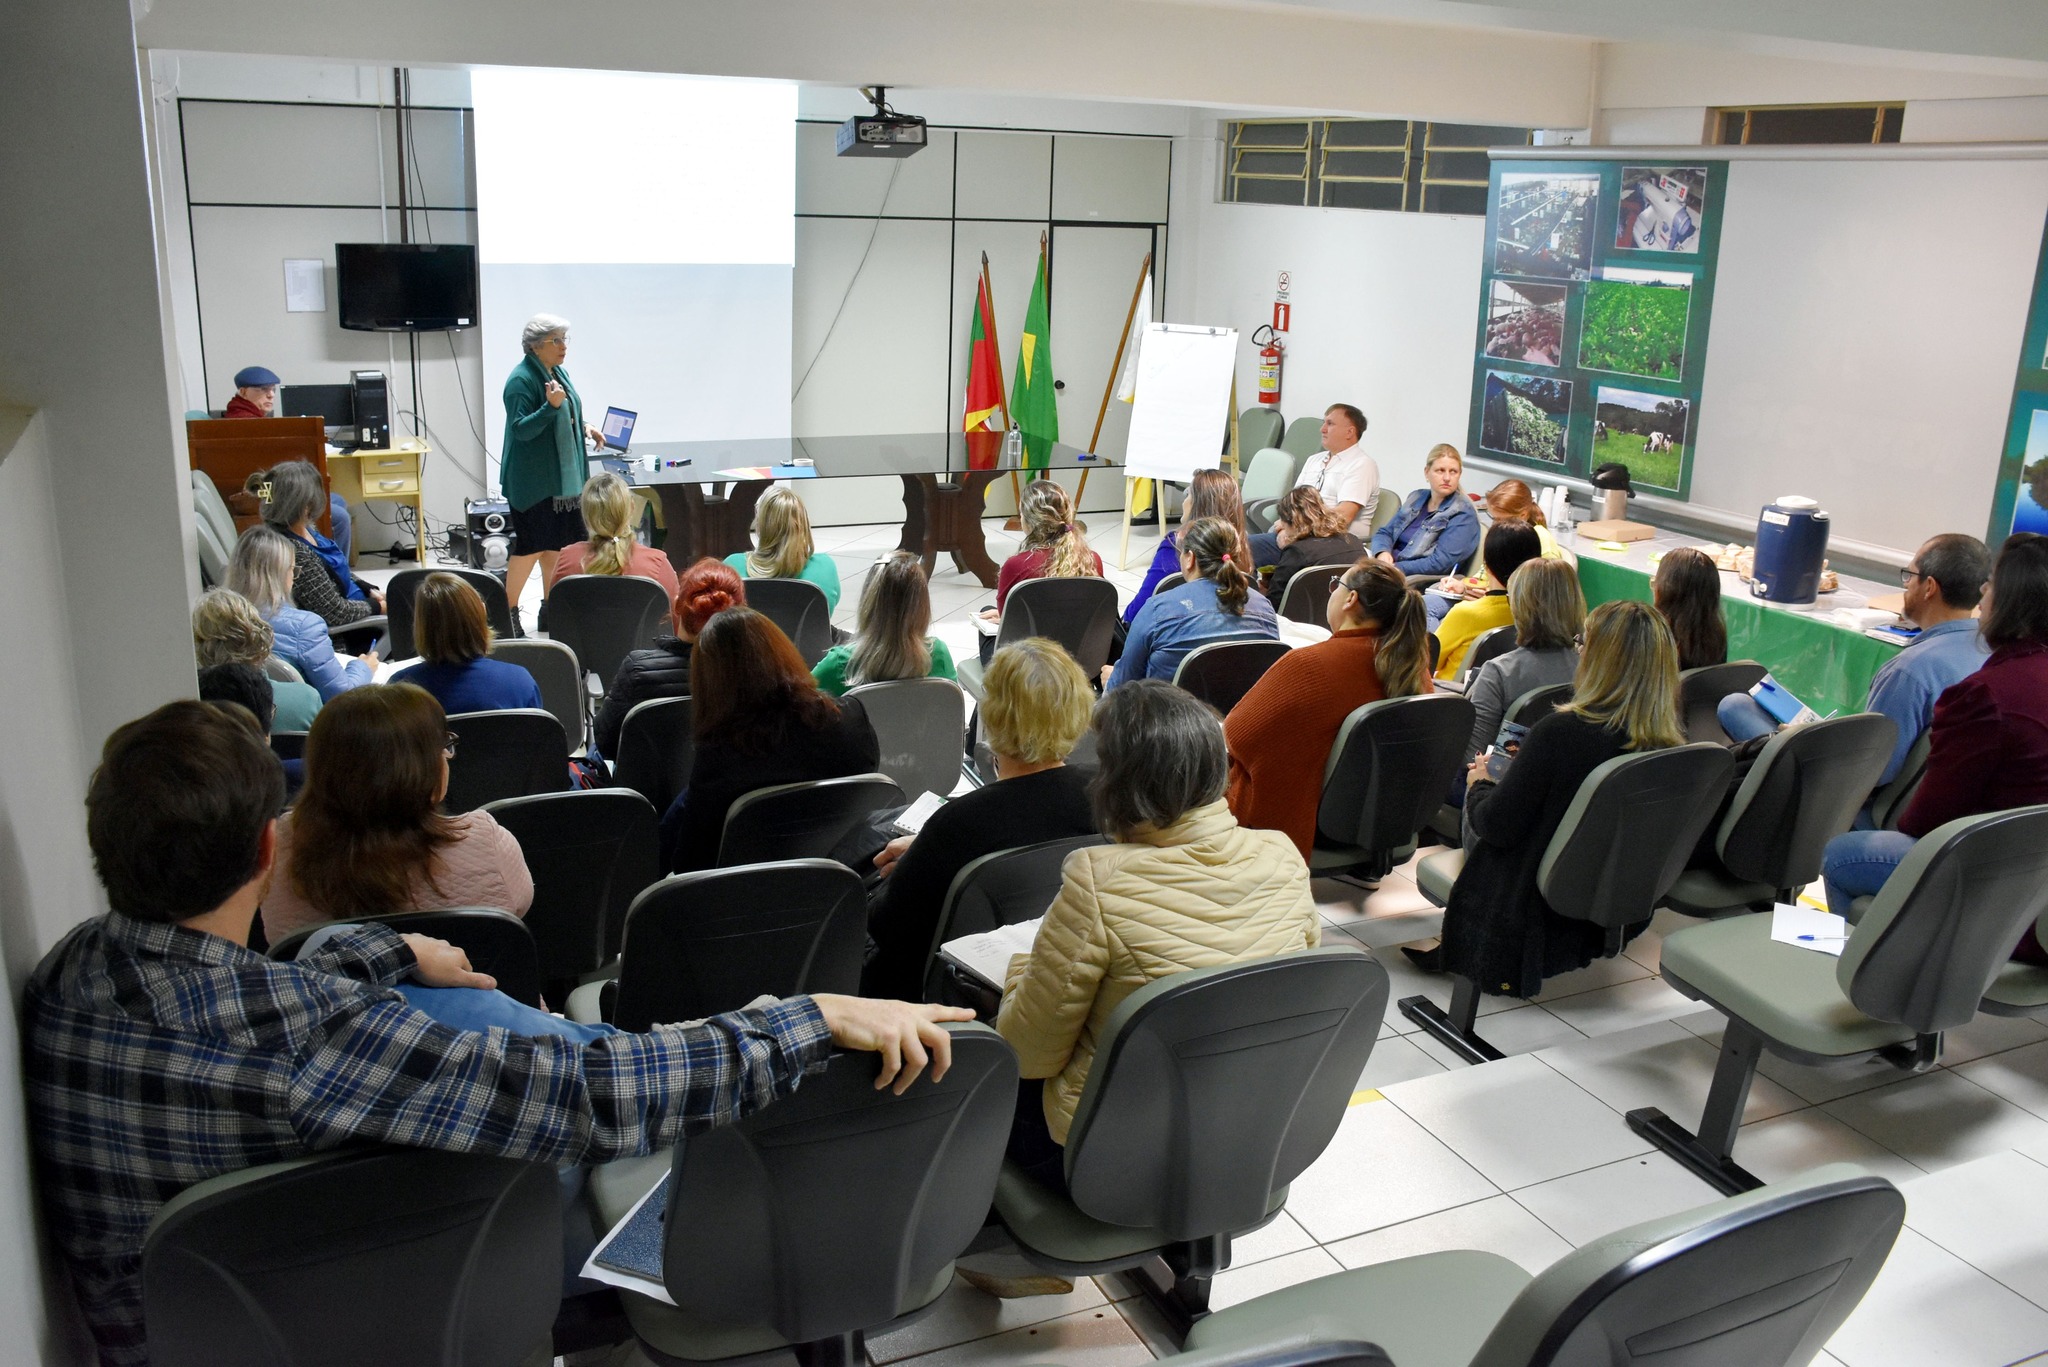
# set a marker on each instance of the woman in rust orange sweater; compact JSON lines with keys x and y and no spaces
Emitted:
{"x":1280,"y":734}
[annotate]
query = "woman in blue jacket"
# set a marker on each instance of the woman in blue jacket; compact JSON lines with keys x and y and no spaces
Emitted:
{"x":261,"y":571}
{"x":1215,"y":604}
{"x":1436,"y":530}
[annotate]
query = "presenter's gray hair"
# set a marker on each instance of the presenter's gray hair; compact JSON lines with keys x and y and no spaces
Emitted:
{"x":540,"y":327}
{"x":1160,"y":755}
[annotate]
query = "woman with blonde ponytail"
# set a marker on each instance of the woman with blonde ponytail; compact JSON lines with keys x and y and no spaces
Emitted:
{"x":1053,"y":545}
{"x":613,"y":548}
{"x":1280,"y":734}
{"x":1215,"y":603}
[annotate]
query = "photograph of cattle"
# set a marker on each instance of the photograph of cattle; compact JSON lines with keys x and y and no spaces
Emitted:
{"x":1645,"y":432}
{"x":1525,"y":415}
{"x":1543,"y":225}
{"x":1525,"y":322}
{"x":1662,"y":208}
{"x":1634,"y":323}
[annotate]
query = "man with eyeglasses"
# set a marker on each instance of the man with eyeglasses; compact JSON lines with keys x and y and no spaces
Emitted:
{"x":1943,"y":585}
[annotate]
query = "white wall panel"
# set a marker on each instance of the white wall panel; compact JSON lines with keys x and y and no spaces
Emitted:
{"x":827,"y":183}
{"x":1120,"y":180}
{"x":1094,"y":272}
{"x":283,"y":154}
{"x":1004,"y":175}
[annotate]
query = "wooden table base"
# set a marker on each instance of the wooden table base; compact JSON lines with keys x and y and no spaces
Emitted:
{"x":702,"y":523}
{"x":947,"y":517}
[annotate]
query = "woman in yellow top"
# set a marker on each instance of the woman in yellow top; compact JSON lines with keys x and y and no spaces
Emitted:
{"x":1507,"y":545}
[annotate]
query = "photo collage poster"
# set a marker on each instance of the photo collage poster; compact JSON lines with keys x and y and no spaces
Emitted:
{"x":2021,"y":501}
{"x":1594,"y":303}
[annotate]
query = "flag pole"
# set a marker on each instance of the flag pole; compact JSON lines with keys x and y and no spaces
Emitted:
{"x":1015,"y":522}
{"x":1116,"y":363}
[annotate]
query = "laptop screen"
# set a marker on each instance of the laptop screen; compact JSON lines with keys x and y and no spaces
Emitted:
{"x":618,"y":428}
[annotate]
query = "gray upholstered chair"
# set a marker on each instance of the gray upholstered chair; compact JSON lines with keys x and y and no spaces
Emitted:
{"x":1487,"y":645}
{"x":405,"y":585}
{"x":766,"y":1243}
{"x":604,"y":618}
{"x":1888,"y":803}
{"x":1538,"y":703}
{"x":799,"y":607}
{"x":506,"y":753}
{"x":459,"y":1256}
{"x":215,"y":526}
{"x":1700,"y":692}
{"x":1306,"y":598}
{"x":1259,"y":427}
{"x":497,"y":943}
{"x":590,"y":852}
{"x":1303,"y":440}
{"x":560,"y":678}
{"x":999,"y":889}
{"x":1626,"y":835}
{"x":1759,"y":1280}
{"x":657,"y":749}
{"x":801,"y":820}
{"x":1802,"y":791}
{"x":696,"y":944}
{"x":921,"y":725}
{"x":1384,"y":508}
{"x":1933,"y":942}
{"x":1387,"y":772}
{"x":1267,"y":476}
{"x":2019,"y":989}
{"x":1079,"y":613}
{"x":1211,"y":1090}
{"x":1222,"y":672}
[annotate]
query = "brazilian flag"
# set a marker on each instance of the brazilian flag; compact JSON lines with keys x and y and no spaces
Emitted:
{"x":1033,"y":407}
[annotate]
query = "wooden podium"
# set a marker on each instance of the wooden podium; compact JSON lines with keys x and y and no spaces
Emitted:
{"x":229,"y":450}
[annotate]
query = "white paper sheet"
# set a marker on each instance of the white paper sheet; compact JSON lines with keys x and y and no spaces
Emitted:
{"x":987,"y":956}
{"x":913,"y":817}
{"x":1183,"y":401}
{"x":305,"y":285}
{"x":1805,"y":927}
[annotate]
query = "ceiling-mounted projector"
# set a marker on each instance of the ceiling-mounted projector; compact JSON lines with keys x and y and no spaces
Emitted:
{"x":884,"y":133}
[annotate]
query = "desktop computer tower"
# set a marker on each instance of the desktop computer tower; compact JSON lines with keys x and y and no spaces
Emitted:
{"x":373,"y":409}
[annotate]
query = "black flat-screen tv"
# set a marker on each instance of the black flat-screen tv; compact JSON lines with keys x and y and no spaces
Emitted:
{"x":406,"y":286}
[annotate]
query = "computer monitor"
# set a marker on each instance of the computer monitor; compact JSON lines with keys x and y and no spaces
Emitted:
{"x":618,"y":428}
{"x":333,"y":404}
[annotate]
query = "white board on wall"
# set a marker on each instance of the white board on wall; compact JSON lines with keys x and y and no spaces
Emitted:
{"x":1182,"y":406}
{"x":1867,"y":321}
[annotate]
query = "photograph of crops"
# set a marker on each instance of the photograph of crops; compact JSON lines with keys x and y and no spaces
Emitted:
{"x":1634,"y":323}
{"x":2030,"y":509}
{"x":1662,"y":208}
{"x":1525,"y":415}
{"x":1543,"y":225}
{"x":1525,"y":322}
{"x":1645,"y":432}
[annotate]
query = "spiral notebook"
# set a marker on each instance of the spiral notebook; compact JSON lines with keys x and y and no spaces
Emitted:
{"x":630,"y":1256}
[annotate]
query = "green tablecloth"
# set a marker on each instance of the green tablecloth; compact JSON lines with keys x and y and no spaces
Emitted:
{"x":1828,"y":667}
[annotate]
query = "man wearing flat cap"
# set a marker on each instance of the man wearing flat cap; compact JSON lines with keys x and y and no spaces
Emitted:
{"x":256,"y":397}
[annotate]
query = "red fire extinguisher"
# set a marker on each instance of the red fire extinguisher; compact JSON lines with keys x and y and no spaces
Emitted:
{"x":1271,"y":354}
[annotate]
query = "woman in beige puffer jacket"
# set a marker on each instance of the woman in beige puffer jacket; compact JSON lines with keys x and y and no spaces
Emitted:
{"x":1185,"y":887}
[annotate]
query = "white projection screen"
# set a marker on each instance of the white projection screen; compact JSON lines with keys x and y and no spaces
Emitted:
{"x":656,"y":214}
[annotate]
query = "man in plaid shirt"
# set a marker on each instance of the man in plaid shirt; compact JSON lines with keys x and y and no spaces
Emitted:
{"x":162,"y":1051}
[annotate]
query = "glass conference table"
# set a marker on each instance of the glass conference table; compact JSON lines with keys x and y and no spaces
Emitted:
{"x":1826,"y":664}
{"x":708,"y":489}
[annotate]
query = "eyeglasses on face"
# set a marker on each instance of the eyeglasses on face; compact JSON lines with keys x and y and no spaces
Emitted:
{"x":1909,"y":574}
{"x":448,"y":740}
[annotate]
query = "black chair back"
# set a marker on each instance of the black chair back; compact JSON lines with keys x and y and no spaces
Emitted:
{"x":1887,"y":804}
{"x":1000,"y":889}
{"x":1539,"y":703}
{"x":590,"y":853}
{"x":1490,"y":644}
{"x":1307,"y":597}
{"x":405,"y":585}
{"x":921,"y":726}
{"x":839,"y":1207}
{"x":511,"y":753}
{"x":554,"y":668}
{"x":656,"y":749}
{"x":1629,"y":831}
{"x":700,"y":943}
{"x":288,"y":744}
{"x":802,"y":820}
{"x":497,"y":943}
{"x":604,"y":618}
{"x":1213,"y":1089}
{"x":797,"y":606}
{"x":370,"y":1255}
{"x":1803,"y":791}
{"x":1392,"y":762}
{"x":1222,"y":672}
{"x":1700,"y":692}
{"x":1171,"y":581}
{"x":1080,"y":614}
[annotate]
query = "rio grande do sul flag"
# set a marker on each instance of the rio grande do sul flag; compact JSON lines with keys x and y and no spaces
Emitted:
{"x":984,"y":368}
{"x":1033,"y":407}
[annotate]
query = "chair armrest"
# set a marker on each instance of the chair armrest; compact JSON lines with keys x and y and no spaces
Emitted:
{"x":347,"y":638}
{"x":1258,"y":514}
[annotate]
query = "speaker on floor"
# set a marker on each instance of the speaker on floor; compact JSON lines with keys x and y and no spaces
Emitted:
{"x":491,"y":541}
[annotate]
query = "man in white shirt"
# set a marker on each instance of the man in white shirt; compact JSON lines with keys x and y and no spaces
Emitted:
{"x":1346,"y":477}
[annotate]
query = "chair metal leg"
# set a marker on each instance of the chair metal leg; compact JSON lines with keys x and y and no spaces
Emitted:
{"x":1708,"y":1154}
{"x":1194,"y":1267}
{"x":1453,"y":1028}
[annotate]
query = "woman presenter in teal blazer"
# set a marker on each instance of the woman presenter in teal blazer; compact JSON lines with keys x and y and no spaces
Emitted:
{"x":545,"y":459}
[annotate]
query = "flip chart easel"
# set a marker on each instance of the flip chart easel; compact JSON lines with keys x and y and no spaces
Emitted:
{"x":1182,"y":411}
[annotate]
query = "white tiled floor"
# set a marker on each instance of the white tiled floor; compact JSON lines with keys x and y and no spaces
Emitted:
{"x":1530,"y":1156}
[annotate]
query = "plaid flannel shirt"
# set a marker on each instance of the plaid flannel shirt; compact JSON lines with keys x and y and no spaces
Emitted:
{"x":160,"y":1056}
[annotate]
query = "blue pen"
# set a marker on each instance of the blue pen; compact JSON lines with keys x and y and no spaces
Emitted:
{"x":1811,"y":938}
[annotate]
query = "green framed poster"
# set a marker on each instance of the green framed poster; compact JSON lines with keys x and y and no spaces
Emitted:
{"x":1595,"y":296}
{"x":2021,"y":501}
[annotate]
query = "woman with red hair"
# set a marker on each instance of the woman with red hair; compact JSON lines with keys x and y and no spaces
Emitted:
{"x":663,"y":670}
{"x":761,"y":721}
